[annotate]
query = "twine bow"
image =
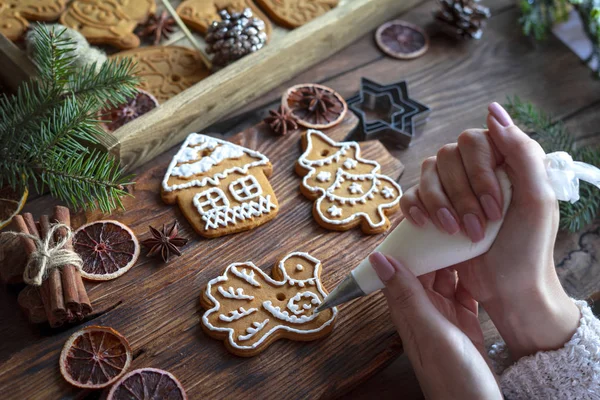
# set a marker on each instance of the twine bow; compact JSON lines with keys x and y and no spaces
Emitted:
{"x":48,"y":255}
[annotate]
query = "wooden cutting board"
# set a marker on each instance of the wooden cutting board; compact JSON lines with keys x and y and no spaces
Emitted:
{"x":157,"y":307}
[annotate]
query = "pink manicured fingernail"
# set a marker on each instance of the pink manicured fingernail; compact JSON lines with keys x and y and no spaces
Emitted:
{"x":382,"y":266}
{"x":473,"y":227}
{"x":500,"y":114}
{"x":417,"y":215}
{"x":491,"y":208}
{"x":448,"y":221}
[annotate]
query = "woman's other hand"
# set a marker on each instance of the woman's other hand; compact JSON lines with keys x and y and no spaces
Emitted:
{"x":436,"y":319}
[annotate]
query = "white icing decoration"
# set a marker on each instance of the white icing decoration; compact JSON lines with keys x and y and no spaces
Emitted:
{"x":231,"y":293}
{"x":286,"y":280}
{"x":190,"y":150}
{"x":328,"y":193}
{"x":223,"y":216}
{"x":252,"y":330}
{"x":350,"y":163}
{"x":245,"y":274}
{"x":245,"y":188}
{"x":293,"y":302}
{"x":224,"y":151}
{"x":211,"y":199}
{"x":324,"y":176}
{"x":355,"y":188}
{"x":285,"y":315}
{"x":387,"y":192}
{"x":299,"y":267}
{"x":237,"y":314}
{"x":334,"y":211}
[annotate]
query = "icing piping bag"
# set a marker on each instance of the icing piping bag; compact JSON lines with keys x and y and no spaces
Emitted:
{"x":426,"y":249}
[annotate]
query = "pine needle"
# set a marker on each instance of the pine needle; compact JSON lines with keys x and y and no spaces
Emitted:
{"x":553,"y":136}
{"x":46,"y":128}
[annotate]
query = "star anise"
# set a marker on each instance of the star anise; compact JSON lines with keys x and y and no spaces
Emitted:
{"x":158,"y":25}
{"x":128,"y":111}
{"x":165,"y":242}
{"x":281,"y":120}
{"x":314,"y":105}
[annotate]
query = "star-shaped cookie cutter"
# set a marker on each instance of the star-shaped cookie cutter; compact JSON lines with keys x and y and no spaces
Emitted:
{"x":386,"y":112}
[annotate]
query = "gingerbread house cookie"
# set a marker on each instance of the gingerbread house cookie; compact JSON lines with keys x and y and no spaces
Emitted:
{"x":249,"y":309}
{"x":348,"y":190}
{"x":220,"y":187}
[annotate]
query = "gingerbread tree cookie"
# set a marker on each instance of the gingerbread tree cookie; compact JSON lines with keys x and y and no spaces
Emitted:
{"x":249,"y":310}
{"x":348,"y":189}
{"x":220,"y":187}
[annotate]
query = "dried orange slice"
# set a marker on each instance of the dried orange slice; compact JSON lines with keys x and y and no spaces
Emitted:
{"x":402,"y":40}
{"x":95,"y":357}
{"x":147,"y":384}
{"x":108,"y":249}
{"x":11,"y":203}
{"x":315,"y":106}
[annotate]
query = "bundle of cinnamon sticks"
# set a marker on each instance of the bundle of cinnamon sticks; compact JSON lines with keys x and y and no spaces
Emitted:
{"x":63,"y":293}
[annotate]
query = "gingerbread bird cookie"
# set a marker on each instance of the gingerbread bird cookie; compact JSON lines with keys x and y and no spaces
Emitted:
{"x":249,"y":309}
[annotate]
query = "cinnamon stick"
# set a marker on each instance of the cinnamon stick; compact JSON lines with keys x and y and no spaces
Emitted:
{"x":53,"y":282}
{"x":76,"y":296}
{"x":26,"y":224}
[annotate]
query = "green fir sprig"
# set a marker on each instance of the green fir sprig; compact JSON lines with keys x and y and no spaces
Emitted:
{"x":48,"y":129}
{"x":553,"y":136}
{"x":539,"y":16}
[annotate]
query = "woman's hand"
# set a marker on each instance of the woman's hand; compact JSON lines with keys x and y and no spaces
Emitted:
{"x":437,"y":321}
{"x":515,"y":281}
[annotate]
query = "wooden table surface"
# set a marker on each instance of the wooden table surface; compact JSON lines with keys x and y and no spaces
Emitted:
{"x":457,"y":80}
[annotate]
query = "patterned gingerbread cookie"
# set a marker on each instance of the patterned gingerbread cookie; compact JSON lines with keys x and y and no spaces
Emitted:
{"x":220,"y":187}
{"x":295,"y":13}
{"x":249,"y":310}
{"x":348,"y":189}
{"x":199,"y":14}
{"x":108,"y":21}
{"x":166,"y":70}
{"x":14,"y":14}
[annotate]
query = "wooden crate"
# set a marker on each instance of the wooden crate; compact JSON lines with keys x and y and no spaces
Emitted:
{"x":287,"y":54}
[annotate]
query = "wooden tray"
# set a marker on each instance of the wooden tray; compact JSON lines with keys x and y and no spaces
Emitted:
{"x":210,"y":100}
{"x":157,"y":307}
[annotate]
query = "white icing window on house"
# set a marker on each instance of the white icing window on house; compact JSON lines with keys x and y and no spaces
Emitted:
{"x":245,"y":188}
{"x":212,"y":199}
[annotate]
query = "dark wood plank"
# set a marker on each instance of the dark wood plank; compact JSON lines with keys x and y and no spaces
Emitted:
{"x":458,"y":80}
{"x":159,"y":313}
{"x":360,"y":54}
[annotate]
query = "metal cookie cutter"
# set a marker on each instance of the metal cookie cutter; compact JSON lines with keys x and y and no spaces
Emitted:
{"x":386,"y":113}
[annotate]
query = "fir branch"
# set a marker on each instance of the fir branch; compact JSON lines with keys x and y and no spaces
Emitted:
{"x":46,"y":128}
{"x":66,"y":130}
{"x":85,"y":180}
{"x":53,"y":53}
{"x":553,"y":136}
{"x":538,"y":16}
{"x":101,"y":84}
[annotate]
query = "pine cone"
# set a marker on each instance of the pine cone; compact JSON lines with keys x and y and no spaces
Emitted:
{"x":462,"y":18}
{"x":237,"y":35}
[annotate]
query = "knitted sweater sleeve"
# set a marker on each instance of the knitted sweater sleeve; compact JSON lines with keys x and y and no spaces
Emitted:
{"x":571,"y":372}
